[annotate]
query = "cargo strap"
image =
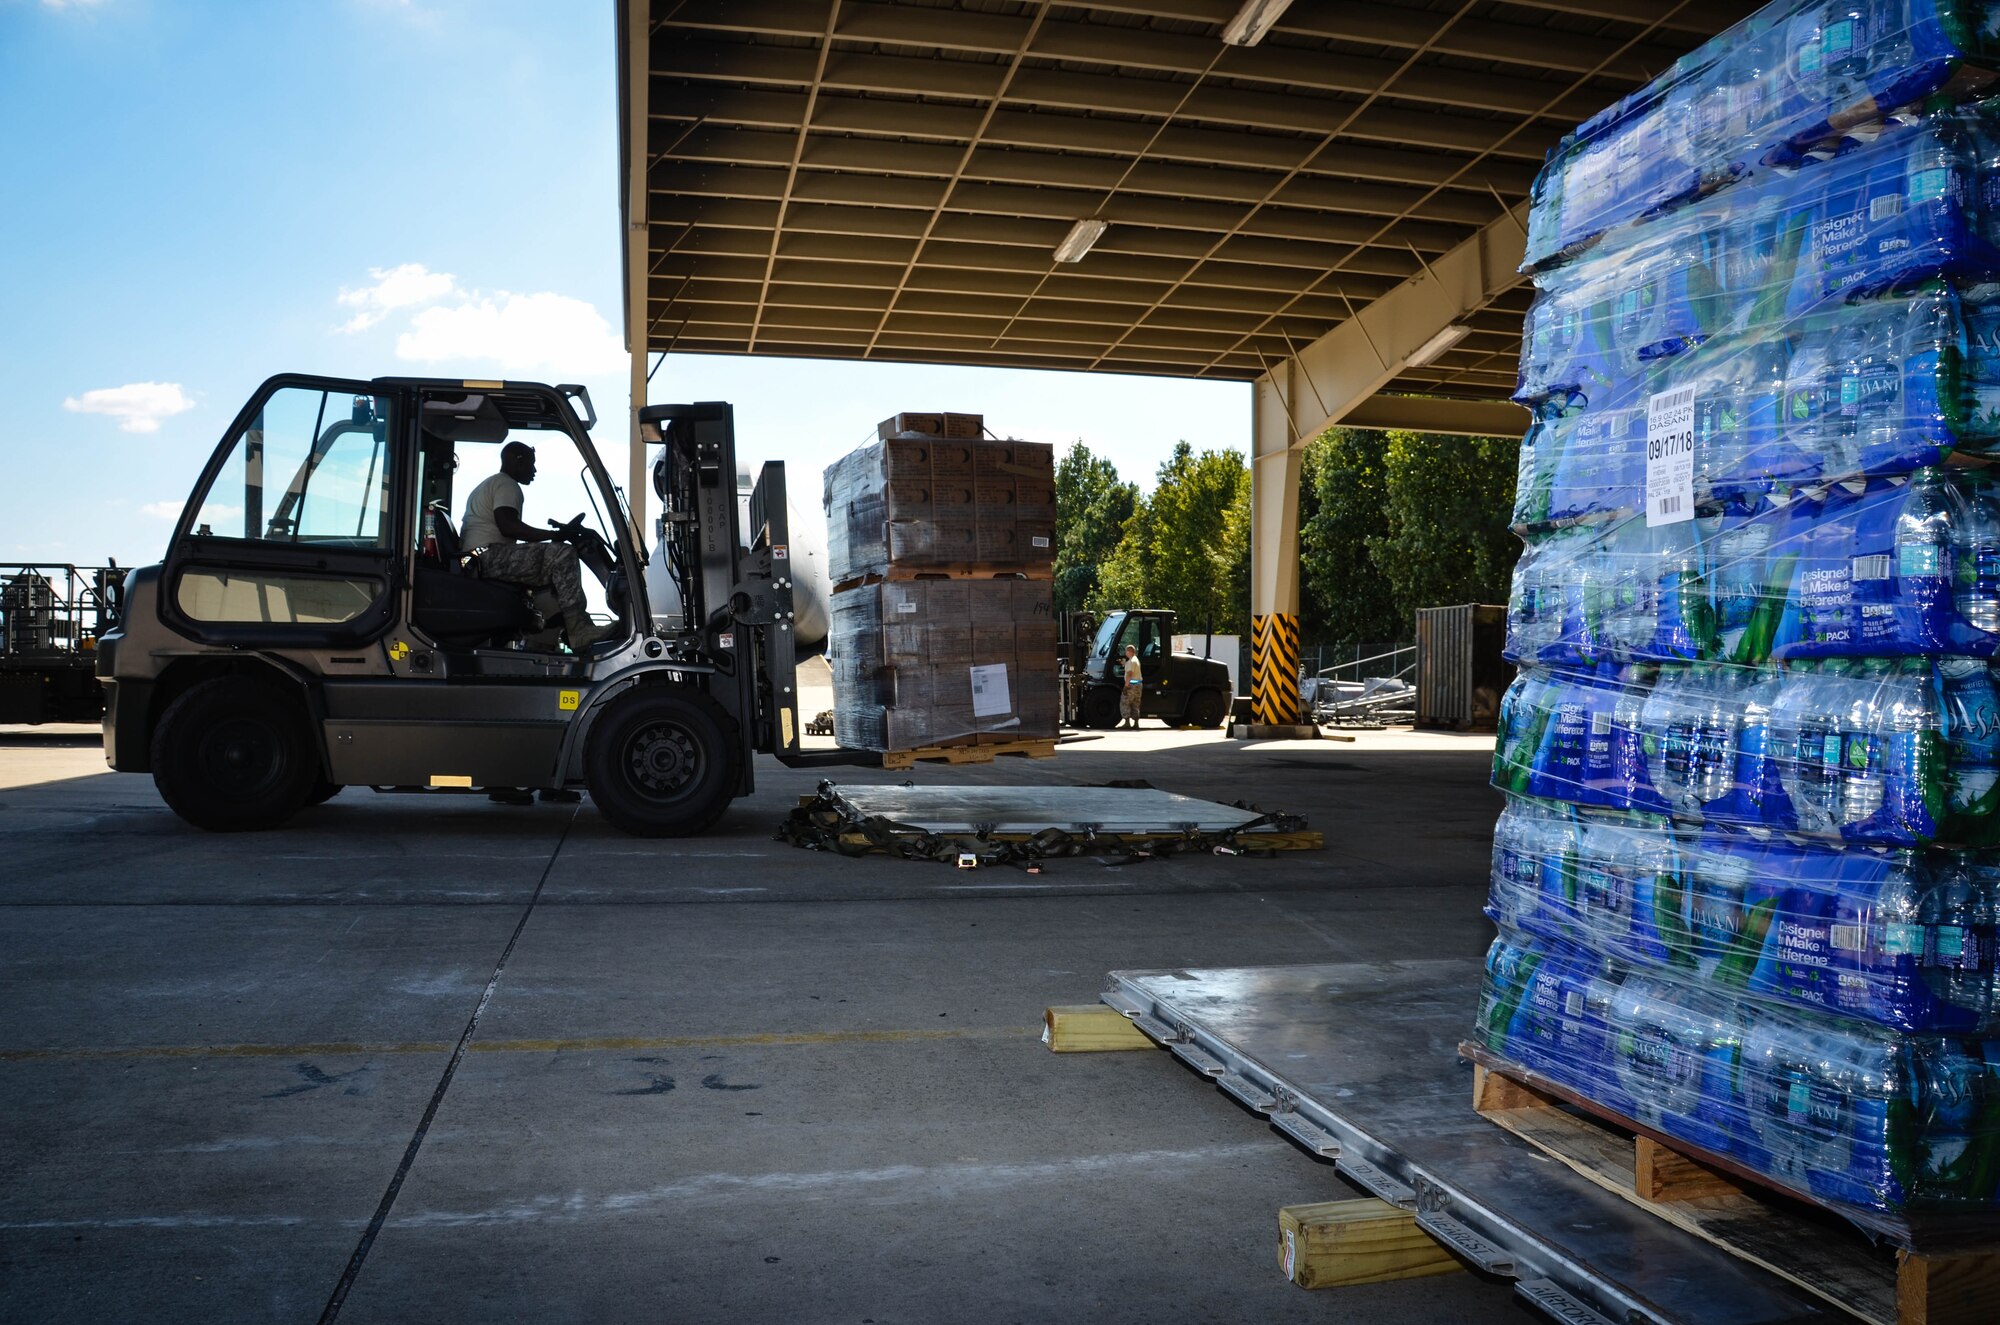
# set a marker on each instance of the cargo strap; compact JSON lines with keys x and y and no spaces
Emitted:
{"x":827,"y":823}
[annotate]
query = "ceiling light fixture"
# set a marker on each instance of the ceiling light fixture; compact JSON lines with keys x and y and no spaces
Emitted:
{"x":1437,"y":345}
{"x":1079,"y":239}
{"x":1253,"y":21}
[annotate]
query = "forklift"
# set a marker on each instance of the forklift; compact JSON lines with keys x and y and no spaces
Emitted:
{"x":315,"y":625}
{"x":1181,"y":689}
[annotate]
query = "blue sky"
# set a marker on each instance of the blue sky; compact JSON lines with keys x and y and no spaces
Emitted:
{"x":200,"y":194}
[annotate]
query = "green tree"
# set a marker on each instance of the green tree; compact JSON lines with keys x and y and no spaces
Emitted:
{"x":1447,"y":501}
{"x":1345,"y":599}
{"x":1177,"y":550}
{"x":1092,"y":506}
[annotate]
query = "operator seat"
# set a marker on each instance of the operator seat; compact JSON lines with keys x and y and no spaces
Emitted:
{"x":457,"y":608}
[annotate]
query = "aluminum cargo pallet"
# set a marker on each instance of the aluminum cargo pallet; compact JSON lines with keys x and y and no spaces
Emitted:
{"x":1359,"y":1063}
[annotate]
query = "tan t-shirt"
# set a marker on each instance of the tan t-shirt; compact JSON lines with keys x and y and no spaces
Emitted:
{"x":1132,"y":676}
{"x":478,"y":529}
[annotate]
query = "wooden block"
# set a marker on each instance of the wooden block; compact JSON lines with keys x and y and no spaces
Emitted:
{"x":1492,"y":1092}
{"x":1367,"y":1241}
{"x":1662,"y":1174}
{"x":1089,"y":1028}
{"x":1947,"y":1290}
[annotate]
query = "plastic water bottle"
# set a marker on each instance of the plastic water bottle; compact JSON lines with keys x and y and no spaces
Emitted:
{"x":1517,"y":864}
{"x":1914,"y":754}
{"x":1634,"y":614}
{"x":1632,"y":783}
{"x":1838,"y":431}
{"x":1976,"y":558}
{"x":1604,"y":889}
{"x":1804,"y":58}
{"x":1736,"y":575}
{"x":1876,"y":935}
{"x":1636,"y":312}
{"x":1759,"y":796}
{"x":1686,"y":619}
{"x":1805,"y":742}
{"x":1878,"y":408}
{"x":1954,"y":965}
{"x":1971,"y":717}
{"x":1896,"y":934}
{"x":1721,"y":724}
{"x":1924,"y":574}
{"x":1768,"y":458}
{"x":1845,"y":34}
{"x":1669,"y":724}
{"x":1722,"y":870}
{"x":1805,"y":413}
{"x":1862,"y":774}
{"x":1986,"y":920}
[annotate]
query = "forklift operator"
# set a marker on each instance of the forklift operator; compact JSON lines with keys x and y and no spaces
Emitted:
{"x":504,"y":548}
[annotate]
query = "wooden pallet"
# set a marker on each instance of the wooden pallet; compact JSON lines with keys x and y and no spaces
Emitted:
{"x":1042,"y":748}
{"x":959,"y":570}
{"x":1722,"y":1203}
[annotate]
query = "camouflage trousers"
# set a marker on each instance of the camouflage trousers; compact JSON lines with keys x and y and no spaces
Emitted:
{"x":550,"y":566}
{"x":1129,"y":697}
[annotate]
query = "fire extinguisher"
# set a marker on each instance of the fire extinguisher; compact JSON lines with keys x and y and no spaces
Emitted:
{"x":431,"y":535}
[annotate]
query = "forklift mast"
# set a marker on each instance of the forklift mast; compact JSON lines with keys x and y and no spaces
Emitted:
{"x":736,"y":592}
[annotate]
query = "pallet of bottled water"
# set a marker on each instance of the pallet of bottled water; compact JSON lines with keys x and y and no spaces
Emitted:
{"x":1747,"y":882}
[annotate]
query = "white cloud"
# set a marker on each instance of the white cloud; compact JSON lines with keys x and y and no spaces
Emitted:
{"x":408,"y":286}
{"x":516,"y":333}
{"x":162,"y":510}
{"x":71,"y":4}
{"x":138,"y":406}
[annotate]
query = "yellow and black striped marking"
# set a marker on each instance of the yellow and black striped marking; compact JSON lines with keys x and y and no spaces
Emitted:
{"x":1274,"y":667}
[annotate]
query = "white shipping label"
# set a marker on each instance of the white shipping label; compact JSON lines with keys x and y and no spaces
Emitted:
{"x":989,"y":691}
{"x":1670,"y":456}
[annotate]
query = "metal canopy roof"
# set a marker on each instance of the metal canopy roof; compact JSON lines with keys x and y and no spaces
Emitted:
{"x":889,"y":181}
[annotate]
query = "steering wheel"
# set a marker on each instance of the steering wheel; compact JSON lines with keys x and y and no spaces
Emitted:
{"x":571,"y":530}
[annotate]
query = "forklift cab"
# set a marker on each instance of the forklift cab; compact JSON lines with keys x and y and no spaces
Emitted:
{"x":1139,"y":630}
{"x":329,"y":498}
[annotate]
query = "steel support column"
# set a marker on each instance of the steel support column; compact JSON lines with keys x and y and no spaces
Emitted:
{"x":1321,"y":385}
{"x":638,"y":15}
{"x":1274,"y":550}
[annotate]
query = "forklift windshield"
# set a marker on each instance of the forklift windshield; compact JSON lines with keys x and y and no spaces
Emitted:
{"x":1142,"y":632}
{"x":312,"y":467}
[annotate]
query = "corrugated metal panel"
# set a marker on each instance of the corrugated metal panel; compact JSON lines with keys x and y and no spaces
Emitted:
{"x":1444,"y":666}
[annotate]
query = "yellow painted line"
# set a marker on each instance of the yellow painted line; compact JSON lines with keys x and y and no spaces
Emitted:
{"x":365,"y":1049}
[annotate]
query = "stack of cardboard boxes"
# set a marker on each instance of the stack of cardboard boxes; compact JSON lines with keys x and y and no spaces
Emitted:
{"x":940,"y":546}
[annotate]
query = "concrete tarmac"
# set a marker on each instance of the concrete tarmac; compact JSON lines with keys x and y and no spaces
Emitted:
{"x":437,"y":1059}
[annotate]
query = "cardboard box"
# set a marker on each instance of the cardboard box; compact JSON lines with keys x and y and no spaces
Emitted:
{"x":907,"y":424}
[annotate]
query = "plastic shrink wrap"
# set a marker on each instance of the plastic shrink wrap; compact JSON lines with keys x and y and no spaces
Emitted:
{"x":1792,"y":82}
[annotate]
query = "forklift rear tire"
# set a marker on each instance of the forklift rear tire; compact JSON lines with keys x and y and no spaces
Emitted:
{"x":1206,"y":708}
{"x":233,"y":753}
{"x":1098,"y":709}
{"x":662,"y":762}
{"x":322,"y":793}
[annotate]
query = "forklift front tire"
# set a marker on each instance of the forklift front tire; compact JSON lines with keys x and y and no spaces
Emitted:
{"x":1099,"y":709}
{"x":233,"y":754}
{"x":662,"y":762}
{"x":1207,"y":708}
